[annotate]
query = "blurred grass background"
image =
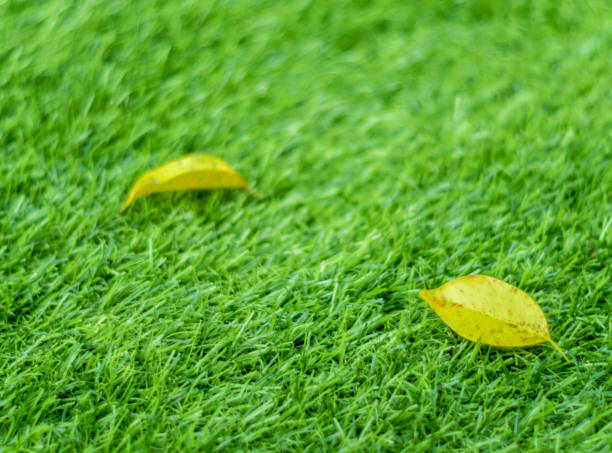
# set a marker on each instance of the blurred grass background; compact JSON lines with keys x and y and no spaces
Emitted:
{"x":400,"y":145}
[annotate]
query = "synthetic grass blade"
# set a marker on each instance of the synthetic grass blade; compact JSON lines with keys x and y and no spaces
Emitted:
{"x":490,"y":311}
{"x":195,"y":171}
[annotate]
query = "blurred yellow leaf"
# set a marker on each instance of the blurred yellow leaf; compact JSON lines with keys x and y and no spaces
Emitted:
{"x":195,"y":171}
{"x":490,"y":311}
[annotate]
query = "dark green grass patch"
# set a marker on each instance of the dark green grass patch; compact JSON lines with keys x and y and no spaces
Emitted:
{"x":399,"y":146}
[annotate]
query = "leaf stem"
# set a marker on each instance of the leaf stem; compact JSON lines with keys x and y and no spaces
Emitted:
{"x":256,"y":193}
{"x":559,"y":350}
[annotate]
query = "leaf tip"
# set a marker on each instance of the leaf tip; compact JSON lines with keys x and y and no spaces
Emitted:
{"x":125,"y":204}
{"x":423,"y":293}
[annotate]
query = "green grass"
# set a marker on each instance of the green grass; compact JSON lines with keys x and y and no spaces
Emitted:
{"x":399,"y":146}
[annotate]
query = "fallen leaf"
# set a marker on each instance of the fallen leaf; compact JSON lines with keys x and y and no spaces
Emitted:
{"x":194,"y":171}
{"x":490,"y":311}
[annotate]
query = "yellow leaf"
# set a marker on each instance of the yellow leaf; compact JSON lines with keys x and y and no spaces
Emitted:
{"x":490,"y":311}
{"x":195,"y":171}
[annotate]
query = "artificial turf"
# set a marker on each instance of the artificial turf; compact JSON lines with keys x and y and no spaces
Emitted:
{"x":399,"y":145}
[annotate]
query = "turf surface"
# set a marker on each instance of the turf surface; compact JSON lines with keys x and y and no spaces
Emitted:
{"x":400,"y":145}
